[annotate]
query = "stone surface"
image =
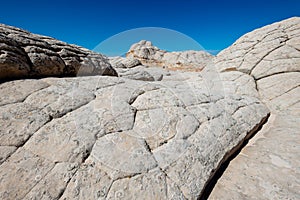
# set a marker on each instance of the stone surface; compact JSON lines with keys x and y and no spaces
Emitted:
{"x":25,"y":55}
{"x":266,"y":51}
{"x":268,"y":167}
{"x":122,"y":137}
{"x":153,"y":56}
{"x":120,"y":62}
{"x":153,"y":132}
{"x":132,"y":68}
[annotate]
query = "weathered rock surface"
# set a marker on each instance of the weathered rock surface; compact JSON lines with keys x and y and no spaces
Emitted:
{"x":153,"y":133}
{"x":139,"y":65}
{"x":25,"y":55}
{"x":105,"y":137}
{"x":268,"y":168}
{"x":132,"y":68}
{"x":120,"y":62}
{"x":264,"y":52}
{"x":150,"y":55}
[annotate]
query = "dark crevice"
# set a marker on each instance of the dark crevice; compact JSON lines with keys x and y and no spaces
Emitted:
{"x":108,"y":189}
{"x":276,"y":73}
{"x":7,"y":157}
{"x":30,"y":64}
{"x":85,"y":157}
{"x":21,"y":144}
{"x":25,"y":141}
{"x":134,"y":117}
{"x":139,"y":92}
{"x":38,"y":76}
{"x":89,"y":150}
{"x":107,"y":72}
{"x":109,"y":85}
{"x":256,"y":85}
{"x":148,"y":147}
{"x":67,"y":183}
{"x":218,"y":172}
{"x":254,"y":45}
{"x":263,"y":57}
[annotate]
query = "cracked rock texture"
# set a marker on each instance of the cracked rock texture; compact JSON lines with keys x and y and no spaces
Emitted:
{"x":153,"y":132}
{"x":25,"y":55}
{"x":268,"y":168}
{"x":105,"y":137}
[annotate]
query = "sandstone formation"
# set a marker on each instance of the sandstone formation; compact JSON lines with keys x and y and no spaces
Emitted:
{"x":132,"y":68}
{"x":158,"y":133}
{"x":27,"y":55}
{"x":153,"y":56}
{"x":268,"y":168}
{"x":120,"y":62}
{"x":149,"y":63}
{"x":102,"y":137}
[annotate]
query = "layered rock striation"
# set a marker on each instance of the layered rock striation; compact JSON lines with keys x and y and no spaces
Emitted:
{"x":27,"y":55}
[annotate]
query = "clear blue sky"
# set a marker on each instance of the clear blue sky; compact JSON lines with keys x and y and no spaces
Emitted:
{"x":214,"y":24}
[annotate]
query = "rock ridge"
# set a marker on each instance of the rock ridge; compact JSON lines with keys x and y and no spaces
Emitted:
{"x":27,"y":55}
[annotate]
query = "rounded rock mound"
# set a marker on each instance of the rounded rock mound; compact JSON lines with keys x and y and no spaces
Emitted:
{"x":182,"y":60}
{"x":27,"y":55}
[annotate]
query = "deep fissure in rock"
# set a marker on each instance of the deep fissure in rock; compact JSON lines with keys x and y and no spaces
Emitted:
{"x":216,"y":174}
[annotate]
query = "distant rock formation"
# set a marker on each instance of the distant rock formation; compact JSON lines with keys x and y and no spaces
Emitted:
{"x":146,"y":62}
{"x":153,"y":132}
{"x":132,"y":68}
{"x":153,"y":56}
{"x":25,"y":55}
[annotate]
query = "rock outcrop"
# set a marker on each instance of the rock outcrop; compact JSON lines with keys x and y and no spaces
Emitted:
{"x":132,"y":68}
{"x":158,"y":133}
{"x":268,"y":168}
{"x":149,"y":63}
{"x":183,"y":60}
{"x":106,"y":137}
{"x":120,"y":62}
{"x":27,"y":55}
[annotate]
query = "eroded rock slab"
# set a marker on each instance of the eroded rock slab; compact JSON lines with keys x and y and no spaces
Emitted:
{"x":102,"y":137}
{"x":266,"y":51}
{"x":25,"y":55}
{"x":268,"y":167}
{"x":156,"y":135}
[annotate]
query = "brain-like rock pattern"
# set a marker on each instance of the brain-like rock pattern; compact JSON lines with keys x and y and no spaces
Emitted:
{"x":153,"y":133}
{"x":266,"y":51}
{"x":268,"y":168}
{"x":87,"y":138}
{"x":25,"y":55}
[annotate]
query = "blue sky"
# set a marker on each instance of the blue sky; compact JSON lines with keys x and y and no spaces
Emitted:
{"x":214,"y":24}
